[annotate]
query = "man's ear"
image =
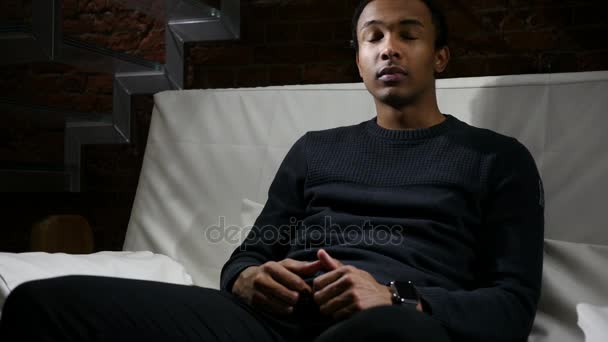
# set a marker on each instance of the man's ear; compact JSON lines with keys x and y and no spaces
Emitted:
{"x":442,"y":57}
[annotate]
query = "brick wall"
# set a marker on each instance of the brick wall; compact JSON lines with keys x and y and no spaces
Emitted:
{"x":137,"y":31}
{"x":283,"y":42}
{"x":304,"y":42}
{"x":15,"y":10}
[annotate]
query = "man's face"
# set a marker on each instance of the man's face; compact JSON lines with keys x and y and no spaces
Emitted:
{"x":397,"y":58}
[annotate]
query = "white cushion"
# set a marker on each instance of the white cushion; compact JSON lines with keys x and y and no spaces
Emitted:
{"x":16,"y":269}
{"x":594,"y":322}
{"x":571,"y":275}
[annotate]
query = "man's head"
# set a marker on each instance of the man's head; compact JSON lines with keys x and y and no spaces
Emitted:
{"x":400,"y":44}
{"x":437,"y":15}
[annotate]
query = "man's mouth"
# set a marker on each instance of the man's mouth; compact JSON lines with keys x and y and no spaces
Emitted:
{"x":392,"y":74}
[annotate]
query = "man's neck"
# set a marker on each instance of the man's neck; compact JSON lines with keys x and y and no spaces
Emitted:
{"x":422,"y":113}
{"x":412,"y":116}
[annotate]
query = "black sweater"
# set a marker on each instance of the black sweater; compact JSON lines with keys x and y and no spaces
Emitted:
{"x":456,"y":209}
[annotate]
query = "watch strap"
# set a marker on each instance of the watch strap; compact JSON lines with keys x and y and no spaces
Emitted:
{"x":403,"y":293}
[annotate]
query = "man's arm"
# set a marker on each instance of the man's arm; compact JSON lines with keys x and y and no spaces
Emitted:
{"x":267,"y":240}
{"x":503,"y":309}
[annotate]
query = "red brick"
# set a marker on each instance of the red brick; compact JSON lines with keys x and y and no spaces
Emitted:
{"x":124,"y":41}
{"x":40,"y":68}
{"x":220,"y":78}
{"x":335,"y":54}
{"x":558,"y":62}
{"x":491,"y":65}
{"x":487,"y":4}
{"x":152,"y":46}
{"x":255,"y":76}
{"x":99,"y":83}
{"x":342,"y":30}
{"x":259,"y":13}
{"x":13,"y":10}
{"x":479,"y":44}
{"x":101,"y":40}
{"x":295,"y":54}
{"x":317,"y":31}
{"x":282,"y":33}
{"x":512,"y":65}
{"x":583,"y":39}
{"x":75,"y":27}
{"x":592,"y":61}
{"x":464,"y":67}
{"x":288,"y":74}
{"x":313,"y":10}
{"x":46,"y":84}
{"x":70,"y":8}
{"x":462,"y":24}
{"x":197,"y":77}
{"x":96,"y":5}
{"x":221,"y":54}
{"x":592,"y":14}
{"x":253,"y":32}
{"x":537,"y":19}
{"x":530,"y":41}
{"x":330,"y":73}
{"x":73,"y":83}
{"x":491,"y":22}
{"x":528,"y":3}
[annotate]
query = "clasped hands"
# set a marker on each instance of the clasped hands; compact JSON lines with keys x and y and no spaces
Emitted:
{"x":276,"y":287}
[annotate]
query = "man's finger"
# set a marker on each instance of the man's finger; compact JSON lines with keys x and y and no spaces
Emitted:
{"x":327,"y":261}
{"x":335,"y":304}
{"x":323,"y":280}
{"x":330,"y":291}
{"x":270,"y":287}
{"x":344,"y":312}
{"x":271,"y":304}
{"x":302,"y":268}
{"x":287,"y":278}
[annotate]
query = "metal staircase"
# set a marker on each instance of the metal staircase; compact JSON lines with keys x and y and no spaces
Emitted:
{"x":187,"y":21}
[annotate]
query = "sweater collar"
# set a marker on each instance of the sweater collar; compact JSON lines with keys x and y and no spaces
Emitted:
{"x":406,"y":134}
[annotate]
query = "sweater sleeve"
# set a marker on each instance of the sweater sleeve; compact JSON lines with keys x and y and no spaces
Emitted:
{"x":268,"y":239}
{"x":503,"y":307}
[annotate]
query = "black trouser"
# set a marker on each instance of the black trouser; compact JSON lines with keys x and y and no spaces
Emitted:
{"x":84,"y":308}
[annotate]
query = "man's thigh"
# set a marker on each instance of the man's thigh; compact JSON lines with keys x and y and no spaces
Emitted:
{"x":84,"y":308}
{"x":386,"y":323}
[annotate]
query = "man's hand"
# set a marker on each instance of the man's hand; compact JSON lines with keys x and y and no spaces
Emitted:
{"x":344,"y":290}
{"x":275,"y":287}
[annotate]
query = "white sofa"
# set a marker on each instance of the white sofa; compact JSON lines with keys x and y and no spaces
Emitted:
{"x":212,"y":154}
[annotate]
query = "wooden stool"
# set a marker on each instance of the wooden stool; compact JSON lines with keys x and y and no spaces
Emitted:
{"x":70,"y":234}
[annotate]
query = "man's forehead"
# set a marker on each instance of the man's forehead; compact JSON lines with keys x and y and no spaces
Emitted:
{"x":394,"y":12}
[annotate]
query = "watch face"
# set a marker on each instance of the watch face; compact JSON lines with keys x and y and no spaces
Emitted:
{"x":406,"y":290}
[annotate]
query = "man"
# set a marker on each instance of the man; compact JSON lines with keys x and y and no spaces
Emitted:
{"x":466,"y":198}
{"x":412,"y":226}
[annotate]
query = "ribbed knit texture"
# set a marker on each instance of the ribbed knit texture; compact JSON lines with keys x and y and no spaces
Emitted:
{"x":453,"y":208}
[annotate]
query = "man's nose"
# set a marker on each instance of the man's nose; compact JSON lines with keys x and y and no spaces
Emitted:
{"x":389,"y":50}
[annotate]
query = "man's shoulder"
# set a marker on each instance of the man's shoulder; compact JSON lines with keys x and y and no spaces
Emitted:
{"x":486,"y":140}
{"x":334,"y":133}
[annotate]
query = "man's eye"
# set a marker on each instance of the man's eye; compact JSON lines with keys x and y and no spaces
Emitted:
{"x":408,"y":37}
{"x":374,"y":37}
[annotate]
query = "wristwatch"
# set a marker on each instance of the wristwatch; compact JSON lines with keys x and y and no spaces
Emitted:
{"x":403,"y":293}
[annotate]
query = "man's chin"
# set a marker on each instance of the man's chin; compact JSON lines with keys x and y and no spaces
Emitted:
{"x":396,"y":100}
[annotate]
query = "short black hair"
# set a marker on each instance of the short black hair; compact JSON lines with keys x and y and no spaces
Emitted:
{"x":437,"y":15}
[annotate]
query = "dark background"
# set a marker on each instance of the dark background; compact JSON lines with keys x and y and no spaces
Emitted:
{"x":283,"y":42}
